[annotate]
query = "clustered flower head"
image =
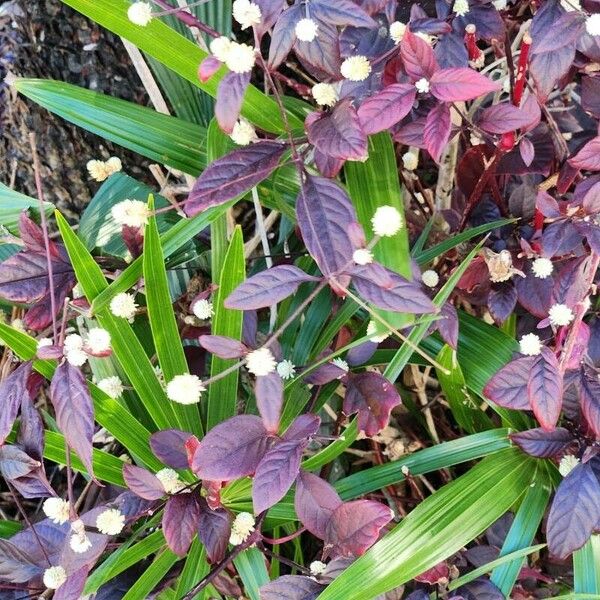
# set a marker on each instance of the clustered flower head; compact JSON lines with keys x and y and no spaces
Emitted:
{"x":123,"y":305}
{"x":79,"y":541}
{"x":243,"y":133}
{"x":219,"y":48}
{"x":324,"y":94}
{"x":356,"y":68}
{"x":306,"y":30}
{"x":54,"y":577}
{"x":317,"y":568}
{"x":246,"y":13}
{"x":430,"y":278}
{"x":98,"y":340}
{"x":286,"y":369}
{"x":386,"y":221}
{"x":242,"y":527}
{"x":410,"y":161}
{"x":132,"y":213}
{"x":140,"y":13}
{"x":530,"y":345}
{"x":362,"y":256}
{"x":261,"y":362}
{"x":203,"y":309}
{"x":560,"y":315}
{"x":340,"y":363}
{"x":57,"y":510}
{"x":461,"y":7}
{"x":170,"y":480}
{"x":567,"y":464}
{"x":422,"y":85}
{"x":73,"y":350}
{"x":100,"y":170}
{"x":111,"y":386}
{"x":44,"y":342}
{"x":592,"y":24}
{"x":110,"y":522}
{"x":397,"y":31}
{"x":542,"y":267}
{"x":240,"y":58}
{"x":373,"y":333}
{"x":185,"y":389}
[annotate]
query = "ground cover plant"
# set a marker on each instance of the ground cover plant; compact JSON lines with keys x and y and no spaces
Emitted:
{"x":342,"y":343}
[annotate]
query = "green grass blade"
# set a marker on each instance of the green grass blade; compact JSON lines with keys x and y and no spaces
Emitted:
{"x":152,"y":576}
{"x":586,"y":563}
{"x":9,"y":528}
{"x":194,"y":570}
{"x":12,"y":204}
{"x":250,"y":565}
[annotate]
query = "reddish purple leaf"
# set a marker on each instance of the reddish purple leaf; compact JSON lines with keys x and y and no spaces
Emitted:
{"x":230,"y":97}
{"x":321,"y":57}
{"x":143,"y":483}
{"x":180,"y":522}
{"x":291,"y":587}
{"x":589,"y":398}
{"x":269,"y":400}
{"x":234,"y":174}
{"x":545,"y":389}
{"x":437,"y":130}
{"x":73,"y":587}
{"x":327,"y":165}
{"x":222,"y":346}
{"x":315,"y":501}
{"x":527,"y":151}
{"x":547,"y":68}
{"x":588,"y":157}
{"x":342,"y":13}
{"x":169,"y":447}
{"x":373,"y":397}
{"x":502,"y":300}
{"x":267,"y":288}
{"x":502,"y":118}
{"x":13,"y":391}
{"x":31,"y":428}
{"x":508,"y":387}
{"x":208,"y":67}
{"x":570,"y":26}
{"x":453,"y":85}
{"x":387,"y":107}
{"x":324,"y":374}
{"x":16,"y":463}
{"x":447,"y":325}
{"x":417,"y":56}
{"x":214,"y":529}
{"x":302,"y":427}
{"x":440,"y":573}
{"x":269,"y":11}
{"x":543,"y":444}
{"x":590,"y":95}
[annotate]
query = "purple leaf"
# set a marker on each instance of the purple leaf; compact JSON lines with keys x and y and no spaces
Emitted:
{"x":269,"y":11}
{"x":437,"y":130}
{"x":417,"y":57}
{"x":450,"y":51}
{"x":222,"y":346}
{"x":373,"y":397}
{"x":478,"y":589}
{"x":269,"y":400}
{"x":589,"y":398}
{"x":267,"y":288}
{"x":74,"y":409}
{"x":15,"y":463}
{"x":387,"y":107}
{"x":575,"y":511}
{"x":214,"y":529}
{"x":508,"y":387}
{"x":502,"y":300}
{"x":16,"y":565}
{"x":31,"y":429}
{"x":232,"y":449}
{"x":180,"y":522}
{"x":291,"y":587}
{"x":543,"y":444}
{"x":325,"y":214}
{"x":230,"y":97}
{"x":73,"y":586}
{"x":527,"y":151}
{"x":342,"y":13}
{"x":315,"y":501}
{"x":548,"y":68}
{"x":570,"y":25}
{"x":545,"y":389}
{"x":560,"y":237}
{"x":276,"y":473}
{"x":324,"y":374}
{"x":327,"y":165}
{"x":502,"y":118}
{"x":588,"y":157}
{"x":354,"y":527}
{"x":486,"y":19}
{"x":143,"y":483}
{"x":453,"y":85}
{"x":283,"y":35}
{"x":447,"y":326}
{"x":321,"y":57}
{"x":570,"y":285}
{"x":13,"y":391}
{"x":169,"y":447}
{"x":302,"y":427}
{"x":338,"y":133}
{"x":234,"y":174}
{"x":590,"y":95}
{"x":208,"y":67}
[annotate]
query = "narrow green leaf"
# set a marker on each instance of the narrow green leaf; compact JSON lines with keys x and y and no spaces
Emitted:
{"x":12,"y":204}
{"x":194,"y":570}
{"x":586,"y":563}
{"x":152,"y":576}
{"x":9,"y":528}
{"x":250,"y":565}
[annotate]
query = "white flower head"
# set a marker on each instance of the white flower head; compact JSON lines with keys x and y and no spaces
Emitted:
{"x":44,"y":342}
{"x":530,"y":345}
{"x":111,"y":386}
{"x":324,"y":94}
{"x":246,"y":13}
{"x":386,"y":221}
{"x":373,"y":333}
{"x":57,"y":510}
{"x":410,"y":161}
{"x":170,"y":480}
{"x":76,"y":357}
{"x":567,"y":464}
{"x":203,"y":309}
{"x":220,"y":47}
{"x":306,"y":30}
{"x":261,"y":362}
{"x":356,"y":68}
{"x":499,"y":4}
{"x":73,"y":342}
{"x":110,"y":522}
{"x":340,"y":363}
{"x":362,"y":256}
{"x":18,"y":324}
{"x":317,"y":568}
{"x":133,"y":213}
{"x":430,"y":278}
{"x":461,"y":7}
{"x":243,"y":133}
{"x":185,"y":389}
{"x":140,"y":13}
{"x":560,"y":315}
{"x":422,"y":85}
{"x":286,"y":369}
{"x":98,"y":340}
{"x":54,"y":577}
{"x":542,"y":267}
{"x":240,"y":58}
{"x":79,"y":541}
{"x":592,"y":24}
{"x":242,"y":527}
{"x":97,"y":169}
{"x":123,"y":305}
{"x":397,"y":31}
{"x":113,"y":165}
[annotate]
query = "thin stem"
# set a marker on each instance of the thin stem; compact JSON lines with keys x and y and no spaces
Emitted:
{"x":286,"y":561}
{"x":283,"y":540}
{"x":70,"y":496}
{"x":187,"y":18}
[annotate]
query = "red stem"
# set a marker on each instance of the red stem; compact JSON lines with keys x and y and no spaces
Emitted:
{"x":187,"y":18}
{"x":474,"y":51}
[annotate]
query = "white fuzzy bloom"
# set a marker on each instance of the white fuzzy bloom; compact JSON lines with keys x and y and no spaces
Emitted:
{"x":43,"y":342}
{"x":461,"y":7}
{"x":356,"y":68}
{"x":542,"y":268}
{"x":341,"y":364}
{"x":54,"y":577}
{"x":220,"y":47}
{"x":246,"y":13}
{"x":133,"y":213}
{"x":386,"y":221}
{"x":530,"y":345}
{"x":422,"y":85}
{"x":362,"y":256}
{"x":76,"y":358}
{"x":73,"y":350}
{"x":499,"y":4}
{"x":170,"y":480}
{"x":286,"y":369}
{"x":111,"y":386}
{"x":123,"y":305}
{"x":79,"y":541}
{"x":560,"y":315}
{"x":261,"y":362}
{"x":324,"y":94}
{"x":242,"y":527}
{"x":113,"y":165}
{"x":98,"y":340}
{"x":592,"y":24}
{"x":425,"y":37}
{"x":373,"y":333}
{"x":185,"y":389}
{"x":73,"y":342}
{"x":57,"y":510}
{"x":240,"y":58}
{"x":243,"y":133}
{"x":110,"y":522}
{"x":100,"y":170}
{"x":397,"y":31}
{"x":203,"y":309}
{"x":306,"y":30}
{"x":317,"y":568}
{"x":410,"y":161}
{"x":140,"y":13}
{"x":567,"y":464}
{"x":430,"y":278}
{"x":18,"y":324}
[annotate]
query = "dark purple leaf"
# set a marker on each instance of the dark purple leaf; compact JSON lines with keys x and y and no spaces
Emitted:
{"x":453,"y":85}
{"x":502,"y":118}
{"x":143,"y":483}
{"x":214,"y":529}
{"x":502,"y":300}
{"x":13,"y":391}
{"x":437,"y":130}
{"x":222,"y":346}
{"x":180,"y":522}
{"x":387,"y":107}
{"x":418,"y":595}
{"x":549,"y":67}
{"x":15,"y":463}
{"x":588,"y":157}
{"x":361,"y":354}
{"x":327,"y":165}
{"x":230,"y":97}
{"x":450,"y":51}
{"x":545,"y":389}
{"x":17,"y":565}
{"x":591,"y":199}
{"x":486,"y":19}
{"x":373,"y":397}
{"x":269,"y":11}
{"x":417,"y":56}
{"x":321,"y":57}
{"x":31,"y":429}
{"x":479,"y":589}
{"x":232,"y":449}
{"x":283,"y":35}
{"x":234,"y":174}
{"x":269,"y":400}
{"x":291,"y":587}
{"x":315,"y":501}
{"x":527,"y":151}
{"x":342,"y":13}
{"x":169,"y":447}
{"x":73,"y":587}
{"x":302,"y":427}
{"x":543,"y":444}
{"x":570,"y":285}
{"x":590,"y":95}
{"x":589,"y":398}
{"x":547,"y":205}
{"x":267,"y":288}
{"x":570,"y":25}
{"x":447,"y":325}
{"x":508,"y":387}
{"x":559,"y":238}
{"x":325,"y":374}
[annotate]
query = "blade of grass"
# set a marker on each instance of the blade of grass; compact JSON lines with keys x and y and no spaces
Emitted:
{"x":586,"y":564}
{"x":194,"y":570}
{"x":152,"y":576}
{"x":250,"y":565}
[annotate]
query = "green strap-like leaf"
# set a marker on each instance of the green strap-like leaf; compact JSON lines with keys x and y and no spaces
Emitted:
{"x":152,"y":576}
{"x":12,"y":204}
{"x":250,"y":565}
{"x":586,"y":563}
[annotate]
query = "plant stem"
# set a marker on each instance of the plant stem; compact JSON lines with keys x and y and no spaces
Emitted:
{"x":187,"y":18}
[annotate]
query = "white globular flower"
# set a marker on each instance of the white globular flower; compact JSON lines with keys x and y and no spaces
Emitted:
{"x":560,"y":315}
{"x":317,"y":568}
{"x":306,"y":30}
{"x":592,"y":24}
{"x":567,"y":464}
{"x":170,"y":480}
{"x":140,"y":13}
{"x":499,"y":4}
{"x":79,"y":541}
{"x":73,"y":350}
{"x":286,"y":369}
{"x":203,"y":309}
{"x":422,"y":85}
{"x":73,"y":342}
{"x":410,"y":161}
{"x":246,"y":13}
{"x":324,"y":94}
{"x":133,"y":213}
{"x":356,"y":68}
{"x":220,"y":47}
{"x":240,"y":58}
{"x":386,"y":221}
{"x":111,"y":386}
{"x":57,"y":510}
{"x":542,"y":268}
{"x":44,"y":342}
{"x":54,"y":577}
{"x":76,"y":358}
{"x":110,"y":522}
{"x":185,"y":389}
{"x":100,"y":170}
{"x":98,"y":340}
{"x":397,"y":31}
{"x":243,"y":133}
{"x":113,"y":165}
{"x":461,"y":7}
{"x":430,"y":278}
{"x":123,"y":305}
{"x":261,"y":362}
{"x":373,"y":333}
{"x":530,"y":345}
{"x":362,"y":256}
{"x":340,"y":363}
{"x":241,"y":528}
